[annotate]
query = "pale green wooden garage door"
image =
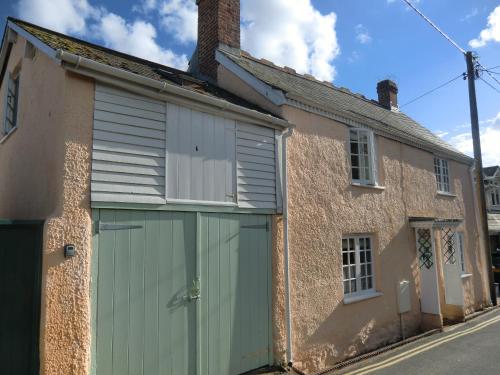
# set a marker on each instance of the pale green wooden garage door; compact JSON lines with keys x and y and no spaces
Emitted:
{"x":146,"y":265}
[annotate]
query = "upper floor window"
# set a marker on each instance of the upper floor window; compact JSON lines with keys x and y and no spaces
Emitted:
{"x":495,"y":197}
{"x":442,"y":175}
{"x":357,"y":265}
{"x":362,"y":156}
{"x":11,"y":103}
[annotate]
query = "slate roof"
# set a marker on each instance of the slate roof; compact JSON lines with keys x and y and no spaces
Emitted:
{"x":149,"y":69}
{"x":342,"y":101}
{"x":490,"y":171}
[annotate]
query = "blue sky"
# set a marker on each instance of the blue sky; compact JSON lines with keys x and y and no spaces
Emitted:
{"x":355,"y":43}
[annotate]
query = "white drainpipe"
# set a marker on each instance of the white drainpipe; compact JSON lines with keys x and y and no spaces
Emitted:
{"x":289,"y":352}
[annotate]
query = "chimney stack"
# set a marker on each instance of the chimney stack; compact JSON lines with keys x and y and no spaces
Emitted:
{"x":388,"y":94}
{"x":218,"y":24}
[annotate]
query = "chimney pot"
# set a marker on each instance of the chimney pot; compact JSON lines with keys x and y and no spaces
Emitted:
{"x":218,"y":24}
{"x":387,"y":91}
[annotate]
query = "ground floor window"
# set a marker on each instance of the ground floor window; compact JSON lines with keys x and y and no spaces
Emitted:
{"x":357,"y":264}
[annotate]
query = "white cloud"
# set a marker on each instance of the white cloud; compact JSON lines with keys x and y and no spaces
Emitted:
{"x":65,"y":16}
{"x":490,"y":135}
{"x":180,"y":17}
{"x":291,"y":33}
{"x":145,"y":6}
{"x":473,"y":13}
{"x":492,"y":31}
{"x":138,"y":39}
{"x":362,"y":34}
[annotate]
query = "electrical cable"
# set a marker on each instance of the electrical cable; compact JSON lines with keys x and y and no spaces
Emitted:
{"x":455,"y":44}
{"x":489,"y":84}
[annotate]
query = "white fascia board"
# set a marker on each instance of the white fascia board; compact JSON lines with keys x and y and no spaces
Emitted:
{"x":276,"y":97}
{"x":34,"y":40}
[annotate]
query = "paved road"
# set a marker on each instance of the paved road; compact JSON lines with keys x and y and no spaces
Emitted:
{"x":468,"y":348}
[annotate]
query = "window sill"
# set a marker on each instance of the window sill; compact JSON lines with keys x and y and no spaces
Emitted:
{"x":376,"y":187}
{"x":4,"y":138}
{"x":465,"y":275}
{"x":446,"y":194}
{"x":361,"y":297}
{"x":201,"y":203}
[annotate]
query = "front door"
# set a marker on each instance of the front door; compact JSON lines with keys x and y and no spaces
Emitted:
{"x":20,"y":270}
{"x":450,"y":246}
{"x":181,"y":293}
{"x":429,"y":291}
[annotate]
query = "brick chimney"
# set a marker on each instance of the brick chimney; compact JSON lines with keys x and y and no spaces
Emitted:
{"x":218,"y":24}
{"x":388,"y":94}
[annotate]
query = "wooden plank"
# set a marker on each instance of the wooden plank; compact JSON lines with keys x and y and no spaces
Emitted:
{"x":166,"y":291}
{"x":126,"y":94}
{"x":213,"y":295}
{"x":184,"y":154}
{"x":255,"y":144}
{"x":256,"y":197}
{"x":129,"y":130}
{"x":255,"y":181}
{"x":203,"y":313}
{"x":127,"y":189}
{"x":220,"y":156}
{"x":126,"y":198}
{"x":256,"y":159}
{"x":128,"y":139}
{"x":256,"y":174}
{"x":255,"y":137}
{"x":114,"y":146}
{"x":127,"y":178}
{"x":121,"y":302}
{"x":105,"y":300}
{"x":128,"y":120}
{"x":225,"y":236}
{"x":197,"y":155}
{"x":172,"y":150}
{"x":129,"y":102}
{"x":257,"y":189}
{"x":256,"y":166}
{"x":124,"y":110}
{"x":257,"y":204}
{"x":230,"y":173}
{"x":127,"y":168}
{"x":137,"y":288}
{"x":118,"y":157}
{"x":255,"y":129}
{"x":209,"y":162}
{"x":151,"y":293}
{"x":255,"y":151}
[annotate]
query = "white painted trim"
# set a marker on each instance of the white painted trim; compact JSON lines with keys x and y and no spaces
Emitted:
{"x":35,"y":41}
{"x":273,"y":95}
{"x":200,"y":203}
{"x":375,"y":187}
{"x":361,"y":297}
{"x":446,"y":194}
{"x":166,"y":92}
{"x":4,"y":138}
{"x":466,"y":275}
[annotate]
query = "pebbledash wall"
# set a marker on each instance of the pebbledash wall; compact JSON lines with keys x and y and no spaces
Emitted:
{"x":45,"y":174}
{"x":324,"y":206}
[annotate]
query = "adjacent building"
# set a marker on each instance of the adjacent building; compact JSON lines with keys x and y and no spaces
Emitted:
{"x":492,"y":192}
{"x":236,"y":216}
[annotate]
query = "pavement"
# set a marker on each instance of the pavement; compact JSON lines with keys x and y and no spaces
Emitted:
{"x":472,"y":347}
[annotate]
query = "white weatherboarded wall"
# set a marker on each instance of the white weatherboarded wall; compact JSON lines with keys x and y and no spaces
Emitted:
{"x":149,"y":151}
{"x":256,"y":161}
{"x":128,"y":159}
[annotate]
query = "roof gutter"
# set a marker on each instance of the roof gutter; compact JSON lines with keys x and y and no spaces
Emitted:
{"x":86,"y":66}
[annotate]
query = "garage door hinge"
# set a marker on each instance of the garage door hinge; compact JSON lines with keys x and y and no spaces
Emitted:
{"x":260,"y":226}
{"x":100,"y":226}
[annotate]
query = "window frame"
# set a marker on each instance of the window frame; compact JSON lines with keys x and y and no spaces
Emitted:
{"x":368,"y":292}
{"x":441,"y":166}
{"x":495,"y":197}
{"x":372,"y":179}
{"x":10,"y":125}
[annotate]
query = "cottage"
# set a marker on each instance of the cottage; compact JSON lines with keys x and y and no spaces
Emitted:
{"x":381,"y":233}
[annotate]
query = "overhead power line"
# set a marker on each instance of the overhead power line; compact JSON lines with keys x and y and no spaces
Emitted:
{"x":489,"y":84}
{"x":455,"y":44}
{"x":487,"y":72}
{"x":433,"y":90}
